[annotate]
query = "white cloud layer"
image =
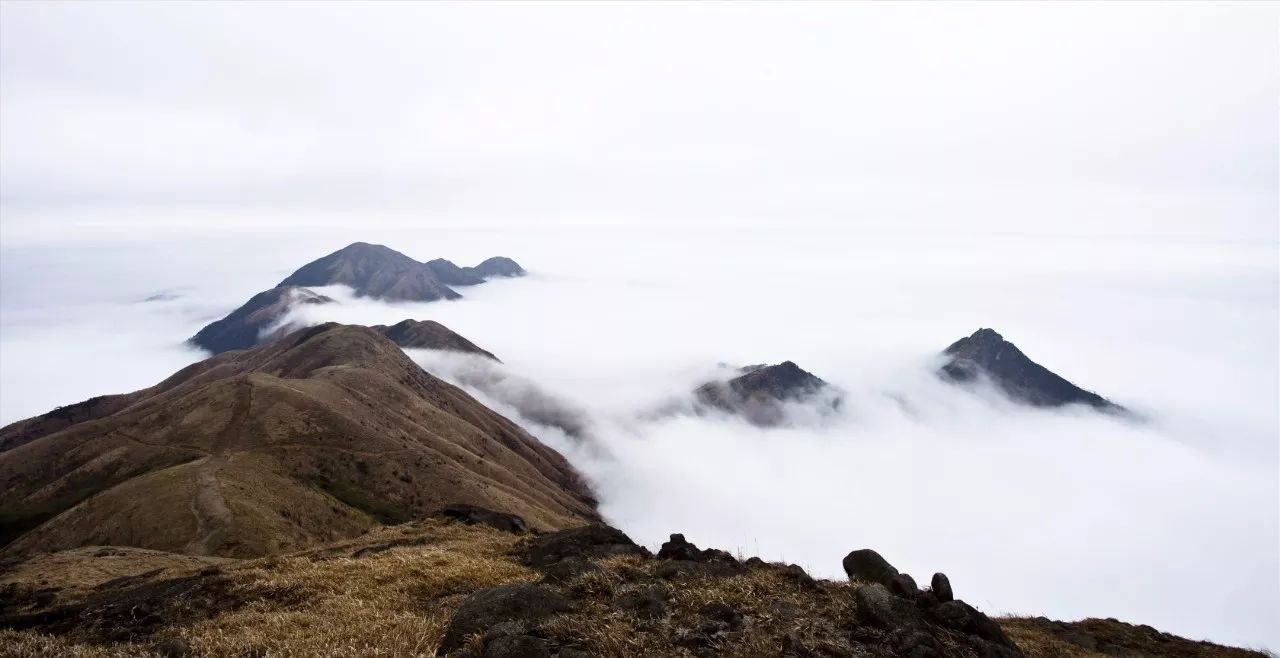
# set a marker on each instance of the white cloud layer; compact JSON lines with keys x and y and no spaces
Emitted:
{"x":1172,"y":522}
{"x":848,"y":186}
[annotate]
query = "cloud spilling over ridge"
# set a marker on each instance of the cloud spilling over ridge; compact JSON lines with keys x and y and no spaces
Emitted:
{"x":1070,"y":513}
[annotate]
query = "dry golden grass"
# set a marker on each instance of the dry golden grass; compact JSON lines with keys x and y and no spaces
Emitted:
{"x":393,"y":591}
{"x":395,"y":602}
{"x":777,"y":605}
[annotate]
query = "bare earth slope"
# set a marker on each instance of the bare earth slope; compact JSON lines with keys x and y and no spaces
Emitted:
{"x":314,"y":437}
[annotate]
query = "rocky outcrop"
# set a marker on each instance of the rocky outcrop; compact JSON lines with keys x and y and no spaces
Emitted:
{"x":591,"y":541}
{"x":430,"y":335}
{"x":257,"y":320}
{"x":866,"y":564}
{"x":889,"y":600}
{"x":472,"y":515}
{"x":986,"y":354}
{"x":508,"y":611}
{"x":759,"y":393}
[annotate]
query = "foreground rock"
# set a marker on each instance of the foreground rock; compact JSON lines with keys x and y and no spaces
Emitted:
{"x":761,"y":391}
{"x":516,"y":608}
{"x":987,"y":354}
{"x":319,"y":435}
{"x":439,"y":587}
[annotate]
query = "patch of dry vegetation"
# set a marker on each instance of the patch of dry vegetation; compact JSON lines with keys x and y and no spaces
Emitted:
{"x":394,"y":590}
{"x":394,"y":599}
{"x":784,"y":613}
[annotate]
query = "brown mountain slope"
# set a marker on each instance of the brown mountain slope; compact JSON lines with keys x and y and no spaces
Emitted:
{"x":430,"y":335}
{"x":313,"y":437}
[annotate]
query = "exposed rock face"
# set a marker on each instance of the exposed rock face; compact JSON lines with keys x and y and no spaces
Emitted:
{"x":524,"y":604}
{"x":245,"y":326}
{"x":472,"y":515}
{"x":431,"y":335}
{"x":866,"y":564}
{"x":497,"y":266}
{"x":453,"y":275}
{"x":759,"y":392}
{"x":372,"y":270}
{"x":592,"y":541}
{"x":315,"y":436}
{"x":987,"y":353}
{"x":941,"y":587}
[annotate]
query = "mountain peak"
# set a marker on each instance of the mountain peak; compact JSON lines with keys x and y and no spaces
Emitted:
{"x":759,"y":392}
{"x":986,"y":353}
{"x":373,"y":270}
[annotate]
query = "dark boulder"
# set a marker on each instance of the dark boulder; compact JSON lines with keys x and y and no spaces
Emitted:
{"x":867,"y":565}
{"x":879,"y":608}
{"x":904,"y":585}
{"x":516,"y":646}
{"x":964,"y":618}
{"x":941,"y":586}
{"x":524,"y":603}
{"x":674,"y":569}
{"x":798,"y":575}
{"x":677,"y":548}
{"x":568,"y":569}
{"x":473,"y":515}
{"x":591,"y":541}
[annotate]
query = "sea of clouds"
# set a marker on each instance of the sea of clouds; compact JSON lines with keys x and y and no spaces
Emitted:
{"x":1170,"y":521}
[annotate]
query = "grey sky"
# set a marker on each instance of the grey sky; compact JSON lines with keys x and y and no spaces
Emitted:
{"x":1129,"y":118}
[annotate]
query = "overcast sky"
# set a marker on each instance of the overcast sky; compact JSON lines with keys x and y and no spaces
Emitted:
{"x":1064,"y":117}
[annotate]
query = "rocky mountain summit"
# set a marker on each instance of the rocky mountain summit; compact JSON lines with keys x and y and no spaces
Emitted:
{"x":758,"y":394}
{"x":986,"y":354}
{"x":370,"y":270}
{"x":471,"y":583}
{"x":316,"y":436}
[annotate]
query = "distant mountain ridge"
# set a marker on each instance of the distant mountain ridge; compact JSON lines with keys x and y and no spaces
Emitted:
{"x":370,"y":270}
